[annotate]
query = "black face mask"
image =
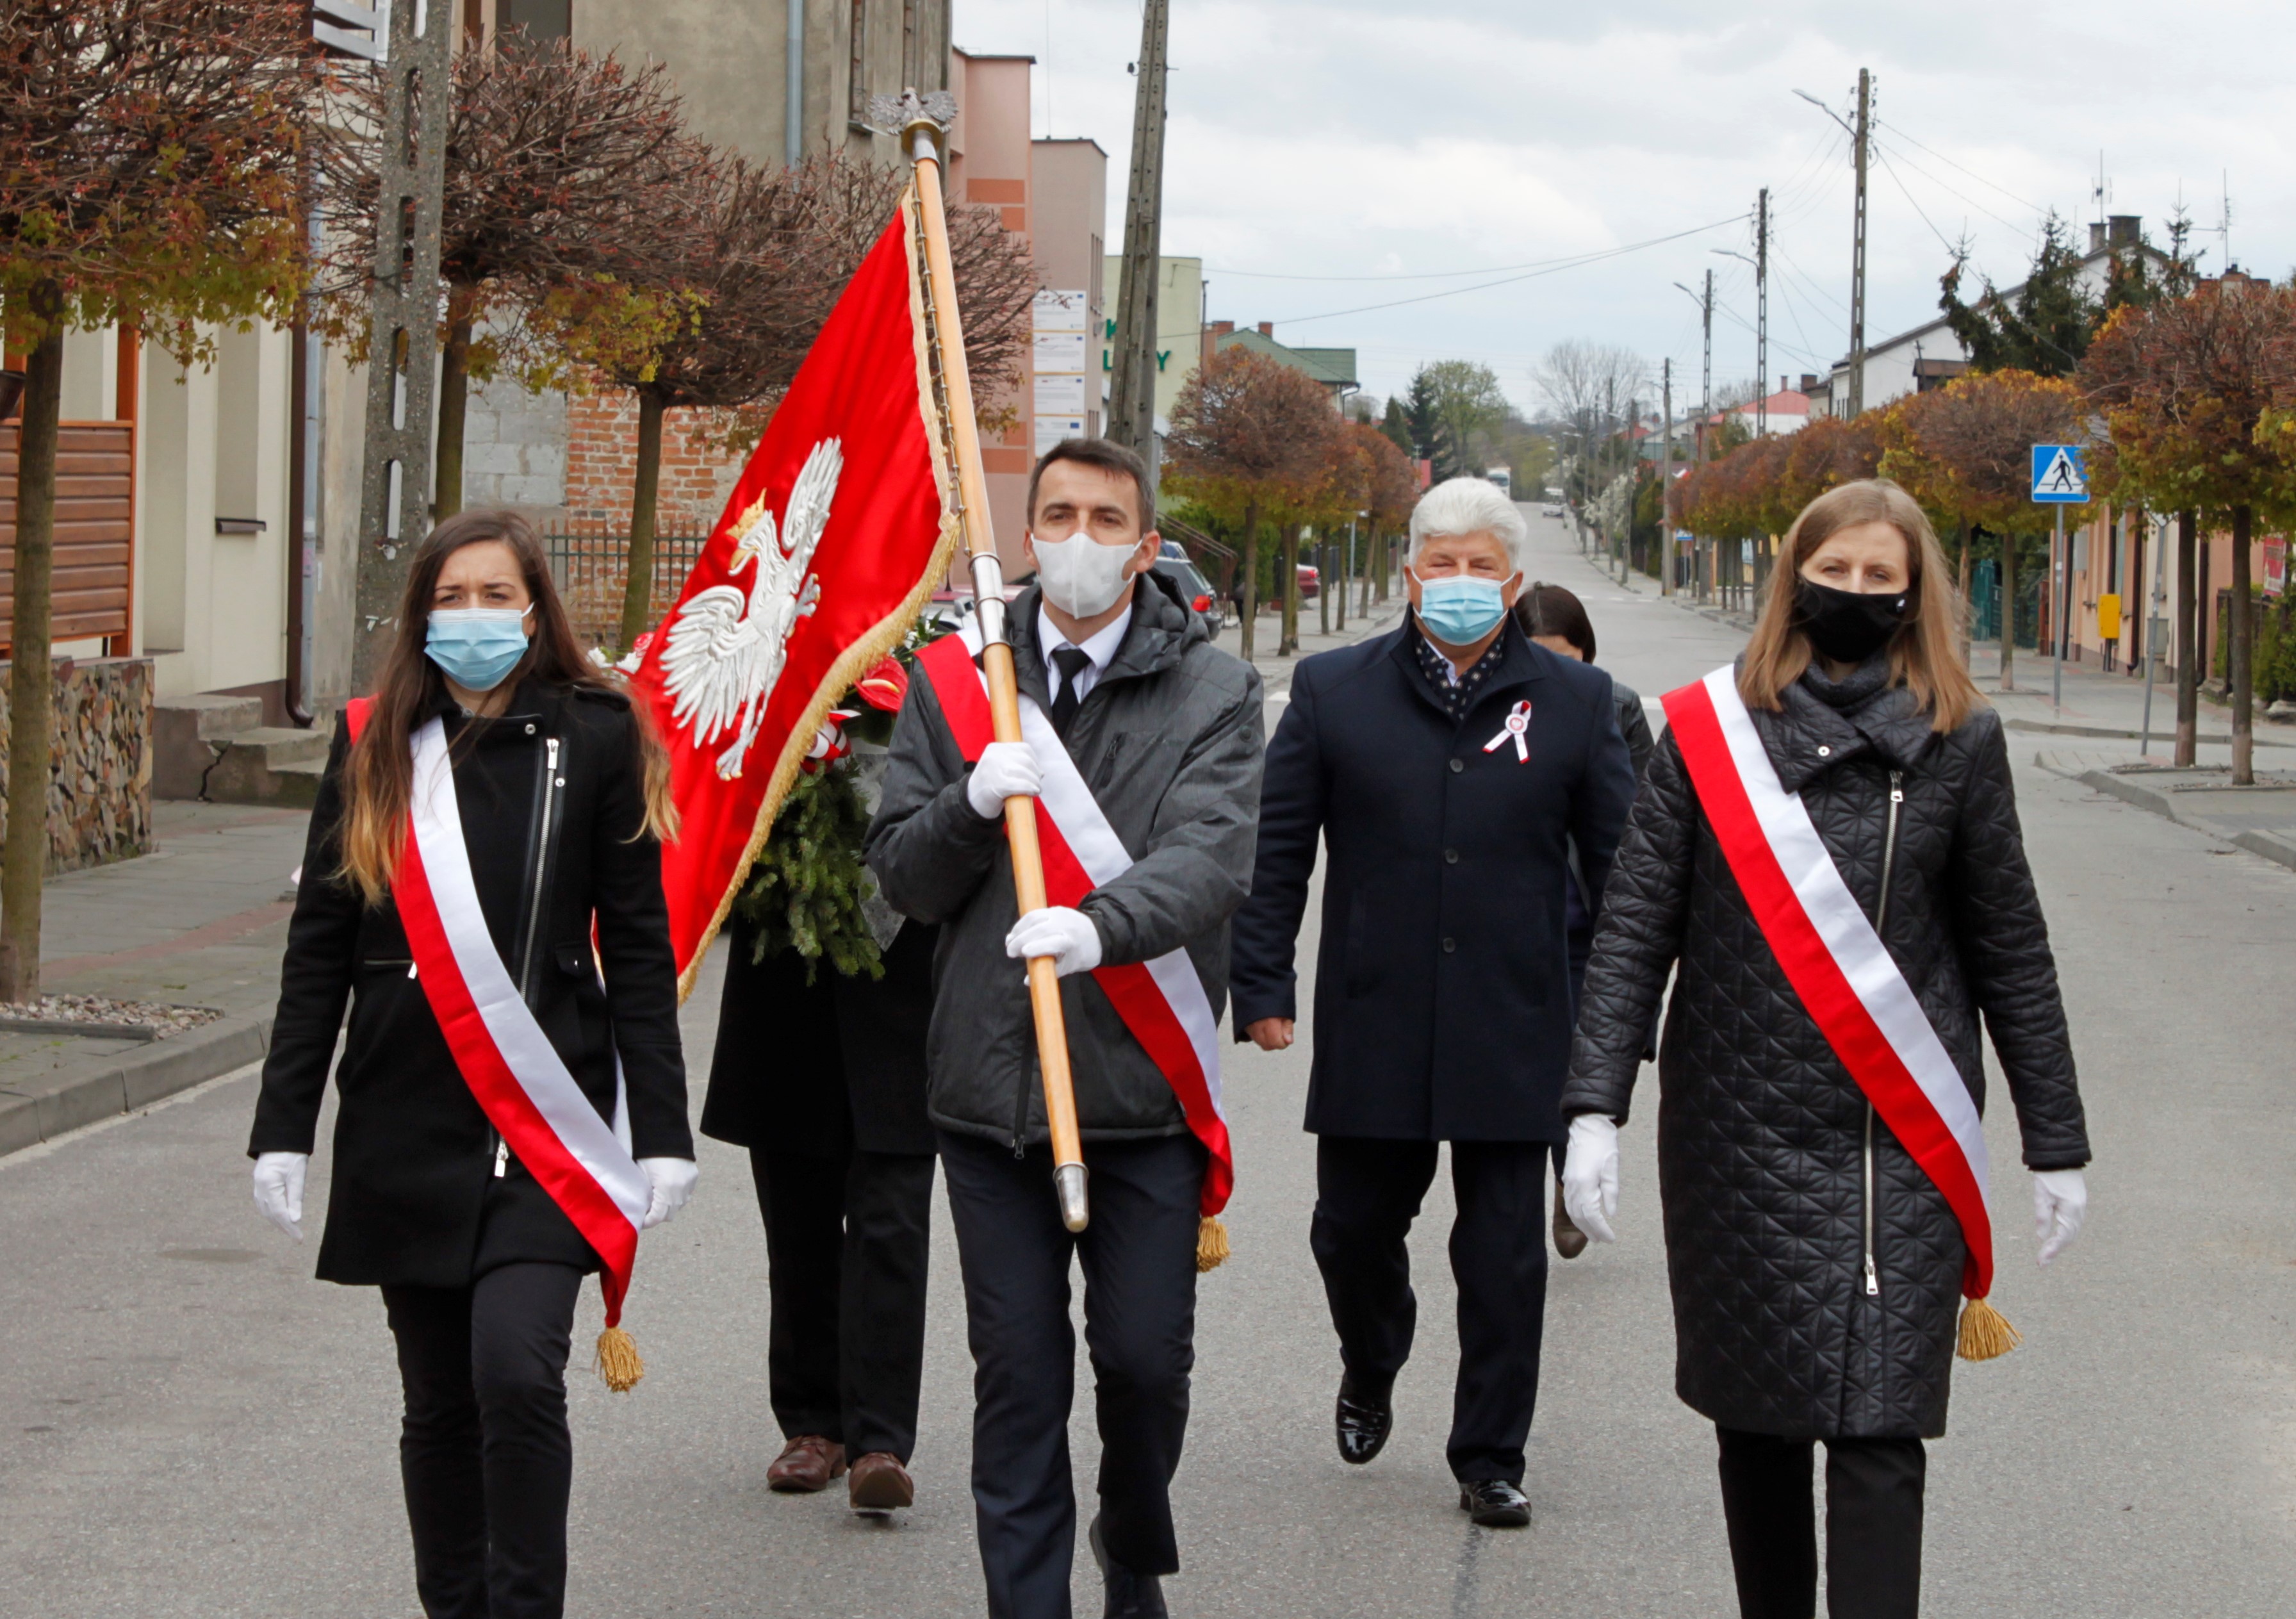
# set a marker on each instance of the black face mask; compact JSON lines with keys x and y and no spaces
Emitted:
{"x":1848,"y":626}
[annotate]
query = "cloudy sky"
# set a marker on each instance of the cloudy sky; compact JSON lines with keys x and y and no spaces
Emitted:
{"x":1323,"y":158}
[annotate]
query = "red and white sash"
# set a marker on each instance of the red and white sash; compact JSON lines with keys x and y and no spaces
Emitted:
{"x":519,"y":1080}
{"x":1162,"y":1002}
{"x":1835,"y":961}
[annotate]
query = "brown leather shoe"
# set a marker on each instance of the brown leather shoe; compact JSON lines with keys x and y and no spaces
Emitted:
{"x":806,"y":1464}
{"x":1570,"y":1241}
{"x":880,"y":1483}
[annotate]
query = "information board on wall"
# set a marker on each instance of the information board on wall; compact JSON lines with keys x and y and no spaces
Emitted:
{"x":1063,"y":322}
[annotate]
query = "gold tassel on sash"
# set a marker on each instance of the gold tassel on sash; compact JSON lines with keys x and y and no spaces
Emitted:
{"x":618,"y":1364}
{"x":1211,"y":1243}
{"x":1986,"y":1333}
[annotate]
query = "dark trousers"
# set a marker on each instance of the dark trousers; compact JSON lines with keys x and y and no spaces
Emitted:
{"x":846,"y":1241}
{"x":1139,"y":1259}
{"x":1872,"y":1525}
{"x":1367,"y":1194}
{"x":484,"y":1451}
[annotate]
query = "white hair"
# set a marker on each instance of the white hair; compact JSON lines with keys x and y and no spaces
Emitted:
{"x":1460,"y":506}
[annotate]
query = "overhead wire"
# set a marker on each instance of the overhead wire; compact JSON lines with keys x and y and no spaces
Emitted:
{"x":1891,"y":169}
{"x":1551,"y":269}
{"x":1971,"y":173}
{"x":2025,"y":227}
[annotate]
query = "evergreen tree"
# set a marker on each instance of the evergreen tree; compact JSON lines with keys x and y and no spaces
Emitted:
{"x":2045,"y":327}
{"x":1423,"y":415}
{"x":1397,"y":427}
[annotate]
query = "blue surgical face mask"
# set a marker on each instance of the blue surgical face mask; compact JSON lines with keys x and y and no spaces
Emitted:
{"x":1461,"y":610}
{"x":477,"y":646}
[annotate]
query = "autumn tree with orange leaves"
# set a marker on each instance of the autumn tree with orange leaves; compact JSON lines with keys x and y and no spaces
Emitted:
{"x":150,"y":177}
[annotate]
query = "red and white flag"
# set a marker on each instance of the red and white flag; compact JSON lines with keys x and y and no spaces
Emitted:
{"x":828,"y":549}
{"x":1836,"y":962}
{"x":1163,"y":1001}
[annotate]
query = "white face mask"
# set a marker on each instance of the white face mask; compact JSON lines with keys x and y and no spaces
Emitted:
{"x":1081,"y":577}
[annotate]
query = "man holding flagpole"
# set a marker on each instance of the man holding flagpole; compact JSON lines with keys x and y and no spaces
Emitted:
{"x":1142,"y":750}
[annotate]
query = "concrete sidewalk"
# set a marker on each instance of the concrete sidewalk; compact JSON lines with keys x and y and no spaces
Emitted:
{"x":199,"y":922}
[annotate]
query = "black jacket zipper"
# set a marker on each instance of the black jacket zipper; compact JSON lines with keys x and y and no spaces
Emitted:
{"x":542,"y":841}
{"x":1881,"y":921}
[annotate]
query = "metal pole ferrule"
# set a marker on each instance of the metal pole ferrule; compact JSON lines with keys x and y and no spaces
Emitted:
{"x":989,"y":597}
{"x":1076,"y":1210}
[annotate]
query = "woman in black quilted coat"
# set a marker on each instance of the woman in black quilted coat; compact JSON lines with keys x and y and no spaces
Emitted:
{"x":1814,"y":1268}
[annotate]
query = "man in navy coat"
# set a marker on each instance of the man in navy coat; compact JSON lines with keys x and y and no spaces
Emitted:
{"x":1445,"y":766}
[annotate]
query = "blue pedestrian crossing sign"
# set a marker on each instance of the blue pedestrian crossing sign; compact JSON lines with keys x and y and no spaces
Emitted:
{"x":2060,"y":474}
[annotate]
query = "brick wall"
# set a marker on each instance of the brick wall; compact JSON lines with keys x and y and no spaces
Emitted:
{"x":697,"y":470}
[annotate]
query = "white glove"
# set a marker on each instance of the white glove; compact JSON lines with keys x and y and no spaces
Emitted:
{"x":1066,"y":936}
{"x":1590,"y":1175}
{"x":672,"y":1180}
{"x":2059,"y":1205}
{"x":1007,"y":769}
{"x":279,"y":1190}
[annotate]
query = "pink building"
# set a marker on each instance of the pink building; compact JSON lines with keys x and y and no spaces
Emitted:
{"x":1056,"y":193}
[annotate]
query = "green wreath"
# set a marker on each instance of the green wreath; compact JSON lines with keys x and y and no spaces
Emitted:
{"x":805,"y":890}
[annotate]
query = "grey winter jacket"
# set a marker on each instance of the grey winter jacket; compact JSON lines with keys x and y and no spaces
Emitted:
{"x":1761,"y":1131}
{"x":1169,"y":740}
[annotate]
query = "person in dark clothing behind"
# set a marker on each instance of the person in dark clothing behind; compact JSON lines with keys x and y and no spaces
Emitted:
{"x":1444,"y":768}
{"x":824,"y":1083}
{"x":560,"y":794}
{"x":1555,"y":618}
{"x":1816,"y":1264}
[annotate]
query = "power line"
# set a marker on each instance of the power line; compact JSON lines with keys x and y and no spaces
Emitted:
{"x":1971,"y":173}
{"x":1964,"y":196}
{"x":1949,"y":247}
{"x":1553,"y":269}
{"x":1495,"y":269}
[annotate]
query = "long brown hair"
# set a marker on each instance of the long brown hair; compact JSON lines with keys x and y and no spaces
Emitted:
{"x":1925,"y":656}
{"x":379,"y":777}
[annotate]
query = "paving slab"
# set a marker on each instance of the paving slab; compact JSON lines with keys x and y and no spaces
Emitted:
{"x":201,"y":921}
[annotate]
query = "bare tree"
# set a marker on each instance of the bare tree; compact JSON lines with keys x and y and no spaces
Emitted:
{"x":774,"y":252}
{"x":567,"y":175}
{"x":1592,"y":388}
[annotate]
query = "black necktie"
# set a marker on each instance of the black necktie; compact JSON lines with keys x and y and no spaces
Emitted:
{"x":1071,"y":661}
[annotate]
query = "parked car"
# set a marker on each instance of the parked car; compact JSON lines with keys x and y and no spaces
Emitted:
{"x":1311,"y":581}
{"x":1175,"y":564}
{"x":1555,"y":512}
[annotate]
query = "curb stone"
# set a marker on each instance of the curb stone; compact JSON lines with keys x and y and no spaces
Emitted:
{"x":2270,"y":845}
{"x":31,"y":1113}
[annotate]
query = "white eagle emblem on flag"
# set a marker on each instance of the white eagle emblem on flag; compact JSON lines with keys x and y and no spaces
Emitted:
{"x":726,"y":647}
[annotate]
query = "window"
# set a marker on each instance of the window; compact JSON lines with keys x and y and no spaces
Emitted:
{"x":541,"y":18}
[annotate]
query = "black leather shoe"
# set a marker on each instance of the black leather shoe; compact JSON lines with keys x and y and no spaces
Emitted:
{"x":1495,"y":1503}
{"x":1362,"y":1423}
{"x":1130,"y":1595}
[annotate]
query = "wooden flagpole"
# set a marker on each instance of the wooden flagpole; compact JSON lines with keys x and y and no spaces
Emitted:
{"x":921,"y":123}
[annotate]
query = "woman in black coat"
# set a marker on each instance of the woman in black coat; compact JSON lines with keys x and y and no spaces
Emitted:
{"x":558,"y":787}
{"x":1815,"y":1268}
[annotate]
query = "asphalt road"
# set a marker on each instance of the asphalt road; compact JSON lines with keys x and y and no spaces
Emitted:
{"x":190,"y":1425}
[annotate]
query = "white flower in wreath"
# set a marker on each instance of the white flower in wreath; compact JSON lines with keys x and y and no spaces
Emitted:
{"x":726,"y":647}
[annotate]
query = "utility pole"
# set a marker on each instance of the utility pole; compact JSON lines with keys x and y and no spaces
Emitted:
{"x":1665,"y":477}
{"x":1705,"y":302}
{"x":1762,"y":314}
{"x":1857,"y":250}
{"x":403,"y":339}
{"x":1132,"y":403}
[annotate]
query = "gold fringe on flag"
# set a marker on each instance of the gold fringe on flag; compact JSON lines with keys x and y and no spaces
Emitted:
{"x":1211,"y":1243}
{"x":1986,"y":1333}
{"x":618,"y":1363}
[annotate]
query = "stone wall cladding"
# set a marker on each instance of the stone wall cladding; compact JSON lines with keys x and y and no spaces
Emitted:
{"x":99,"y":781}
{"x":515,"y":449}
{"x":601,"y":446}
